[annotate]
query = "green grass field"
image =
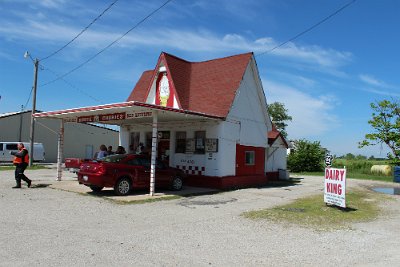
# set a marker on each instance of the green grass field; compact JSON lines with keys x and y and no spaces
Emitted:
{"x":312,"y":212}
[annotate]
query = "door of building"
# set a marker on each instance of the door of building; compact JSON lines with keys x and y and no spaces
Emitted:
{"x":163,"y":146}
{"x":250,"y":160}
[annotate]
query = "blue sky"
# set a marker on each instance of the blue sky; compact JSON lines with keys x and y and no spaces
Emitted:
{"x":327,"y":78}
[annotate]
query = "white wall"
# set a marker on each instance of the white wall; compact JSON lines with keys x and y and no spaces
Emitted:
{"x":249,"y":109}
{"x":221,"y":163}
{"x":276,"y":156}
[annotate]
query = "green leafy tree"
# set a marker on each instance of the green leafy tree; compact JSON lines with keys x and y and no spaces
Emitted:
{"x":386,"y":124}
{"x":361,"y":157}
{"x":279,"y":115}
{"x":349,"y":156}
{"x":306,"y":157}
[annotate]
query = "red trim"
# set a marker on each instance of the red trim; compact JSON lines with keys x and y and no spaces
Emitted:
{"x":170,"y":102}
{"x":123,"y":104}
{"x":171,"y":81}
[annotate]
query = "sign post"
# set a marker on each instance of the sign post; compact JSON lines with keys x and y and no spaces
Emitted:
{"x":335,"y":187}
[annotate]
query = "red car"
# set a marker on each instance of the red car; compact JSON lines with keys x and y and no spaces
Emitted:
{"x":127,"y":172}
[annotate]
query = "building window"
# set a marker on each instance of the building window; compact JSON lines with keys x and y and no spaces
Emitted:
{"x":200,"y":137}
{"x":180,"y":142}
{"x":250,"y":158}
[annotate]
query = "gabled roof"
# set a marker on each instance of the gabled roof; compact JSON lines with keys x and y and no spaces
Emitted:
{"x":208,"y":87}
{"x":274,"y":134}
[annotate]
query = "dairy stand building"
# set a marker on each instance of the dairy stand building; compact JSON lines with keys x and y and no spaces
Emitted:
{"x":208,"y":118}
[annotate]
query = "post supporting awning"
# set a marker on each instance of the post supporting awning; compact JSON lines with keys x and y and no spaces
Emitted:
{"x":153,"y":153}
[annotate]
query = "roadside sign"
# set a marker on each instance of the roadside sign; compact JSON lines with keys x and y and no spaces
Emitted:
{"x":335,"y":187}
{"x":328,"y":160}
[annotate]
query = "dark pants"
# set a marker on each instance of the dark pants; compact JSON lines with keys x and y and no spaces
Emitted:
{"x":19,"y":173}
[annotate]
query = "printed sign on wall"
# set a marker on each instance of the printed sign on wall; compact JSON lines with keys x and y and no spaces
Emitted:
{"x":211,"y":145}
{"x":335,"y":187}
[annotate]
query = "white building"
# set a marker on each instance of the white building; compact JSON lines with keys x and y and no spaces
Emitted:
{"x":208,"y":118}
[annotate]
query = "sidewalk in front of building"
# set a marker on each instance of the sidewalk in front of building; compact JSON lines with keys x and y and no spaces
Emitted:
{"x":70,"y":183}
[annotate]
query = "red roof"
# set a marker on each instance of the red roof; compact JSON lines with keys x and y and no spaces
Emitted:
{"x":208,"y":87}
{"x":274,"y":134}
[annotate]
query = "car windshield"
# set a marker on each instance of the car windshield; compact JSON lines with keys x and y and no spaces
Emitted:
{"x":113,"y":158}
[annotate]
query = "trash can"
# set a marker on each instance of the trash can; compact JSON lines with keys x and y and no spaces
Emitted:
{"x":396,"y":174}
{"x":283,"y":174}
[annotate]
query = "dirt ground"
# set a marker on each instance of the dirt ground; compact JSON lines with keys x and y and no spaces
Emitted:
{"x":46,"y":226}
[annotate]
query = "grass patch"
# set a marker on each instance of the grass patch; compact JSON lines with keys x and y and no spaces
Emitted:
{"x":32,"y":168}
{"x":363,"y":206}
{"x":351,"y":175}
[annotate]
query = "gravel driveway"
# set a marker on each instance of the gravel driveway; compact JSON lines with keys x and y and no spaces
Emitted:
{"x":44,"y":226}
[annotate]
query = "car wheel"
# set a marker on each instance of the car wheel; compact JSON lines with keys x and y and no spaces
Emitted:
{"x":177,"y":183}
{"x":96,"y":188}
{"x":123,"y":187}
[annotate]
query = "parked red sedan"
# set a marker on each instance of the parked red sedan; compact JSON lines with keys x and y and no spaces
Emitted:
{"x":127,"y":172}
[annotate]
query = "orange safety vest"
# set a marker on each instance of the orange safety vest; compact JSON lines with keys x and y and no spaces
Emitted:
{"x":25,"y":159}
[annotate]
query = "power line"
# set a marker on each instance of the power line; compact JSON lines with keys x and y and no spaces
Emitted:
{"x":29,"y":97}
{"x":307,"y":30}
{"x":71,"y":85}
{"x":108,"y":46}
{"x":79,"y":34}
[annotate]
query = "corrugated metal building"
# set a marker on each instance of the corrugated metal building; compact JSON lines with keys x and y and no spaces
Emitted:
{"x":80,"y":140}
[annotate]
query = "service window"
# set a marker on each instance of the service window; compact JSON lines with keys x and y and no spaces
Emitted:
{"x":11,"y":146}
{"x":180,"y":142}
{"x":250,"y":157}
{"x":200,"y":138}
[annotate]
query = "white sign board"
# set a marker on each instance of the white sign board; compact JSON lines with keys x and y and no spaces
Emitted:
{"x":335,"y":187}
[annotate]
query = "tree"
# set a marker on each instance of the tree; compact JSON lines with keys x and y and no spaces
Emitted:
{"x":386,"y":123}
{"x":349,"y":156}
{"x":308,"y":156}
{"x":279,"y":116}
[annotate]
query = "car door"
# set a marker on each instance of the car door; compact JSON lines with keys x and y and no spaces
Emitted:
{"x":140,"y":172}
{"x":163,"y":174}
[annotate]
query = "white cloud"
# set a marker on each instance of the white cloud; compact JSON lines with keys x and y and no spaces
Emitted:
{"x":370,"y":80}
{"x":311,"y":115}
{"x":185,"y":40}
{"x":382,"y":92}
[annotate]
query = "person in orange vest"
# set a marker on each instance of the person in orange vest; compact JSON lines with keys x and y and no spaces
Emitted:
{"x":21,"y":160}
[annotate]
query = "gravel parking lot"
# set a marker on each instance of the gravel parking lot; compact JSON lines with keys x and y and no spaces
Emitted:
{"x":49,"y":227}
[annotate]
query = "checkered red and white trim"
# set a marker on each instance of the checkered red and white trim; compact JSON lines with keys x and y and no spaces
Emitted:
{"x":192,"y":170}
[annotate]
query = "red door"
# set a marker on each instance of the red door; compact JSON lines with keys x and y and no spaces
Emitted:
{"x":250,"y":160}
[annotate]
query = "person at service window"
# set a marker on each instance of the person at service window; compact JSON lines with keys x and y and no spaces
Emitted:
{"x":21,"y":160}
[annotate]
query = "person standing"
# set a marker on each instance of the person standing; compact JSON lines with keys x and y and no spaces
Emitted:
{"x":21,"y":160}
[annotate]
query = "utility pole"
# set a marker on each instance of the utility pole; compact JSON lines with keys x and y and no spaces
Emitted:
{"x":32,"y":135}
{"x":20,"y":123}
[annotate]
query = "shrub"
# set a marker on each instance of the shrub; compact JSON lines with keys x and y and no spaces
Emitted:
{"x":306,"y":157}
